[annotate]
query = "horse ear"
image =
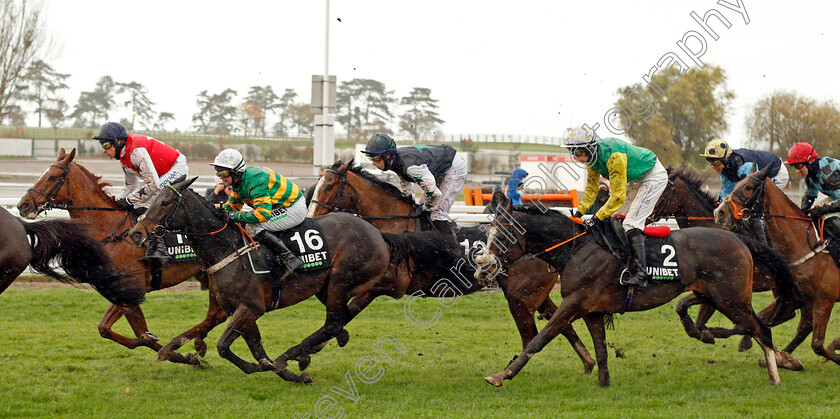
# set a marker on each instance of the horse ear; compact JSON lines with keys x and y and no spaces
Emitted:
{"x":185,"y":184}
{"x":61,"y":153}
{"x":763,"y":172}
{"x":72,"y":155}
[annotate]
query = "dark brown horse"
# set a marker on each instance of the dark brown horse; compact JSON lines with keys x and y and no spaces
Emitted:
{"x":68,"y":185}
{"x":816,"y":273}
{"x":526,"y":286}
{"x":360,"y":257}
{"x":66,"y":244}
{"x":714,"y":263}
{"x":685,"y":201}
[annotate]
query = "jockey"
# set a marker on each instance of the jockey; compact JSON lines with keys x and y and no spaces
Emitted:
{"x":149,"y":165}
{"x":620,"y":163}
{"x":440,"y":171}
{"x":277,"y":203}
{"x":734,"y":165}
{"x":821,"y":175}
{"x":514,"y":184}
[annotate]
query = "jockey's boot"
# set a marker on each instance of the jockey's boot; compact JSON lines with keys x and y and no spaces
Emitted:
{"x":446,"y":227}
{"x":759,"y":230}
{"x":832,"y":227}
{"x":157,"y":250}
{"x":282,"y":254}
{"x":637,"y":245}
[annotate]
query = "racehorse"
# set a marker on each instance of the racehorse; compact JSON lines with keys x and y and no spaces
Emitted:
{"x":65,"y":243}
{"x":816,"y":273}
{"x":685,"y":201}
{"x":68,"y":185}
{"x":714,"y":263}
{"x":526,"y":286}
{"x":360,"y":258}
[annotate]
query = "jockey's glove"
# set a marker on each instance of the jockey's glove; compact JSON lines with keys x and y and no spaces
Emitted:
{"x":230,"y":216}
{"x":591,"y":222}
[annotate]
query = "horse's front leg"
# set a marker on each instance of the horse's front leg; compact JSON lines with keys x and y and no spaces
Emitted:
{"x":691,"y":328}
{"x":215,"y":316}
{"x":562,"y":318}
{"x":135,"y":318}
{"x":595,"y":323}
{"x":243,"y":323}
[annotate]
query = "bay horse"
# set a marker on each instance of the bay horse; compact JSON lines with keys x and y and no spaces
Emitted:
{"x":685,"y":201}
{"x":816,"y":273}
{"x":68,"y":185}
{"x":360,"y":257}
{"x":714,"y":264}
{"x":526,"y":286}
{"x":66,"y":244}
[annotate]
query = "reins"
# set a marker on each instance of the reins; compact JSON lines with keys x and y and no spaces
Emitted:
{"x":542,"y":252}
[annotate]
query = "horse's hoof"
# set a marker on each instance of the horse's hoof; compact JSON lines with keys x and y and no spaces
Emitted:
{"x":745,"y":344}
{"x":788,"y":362}
{"x":305,"y":378}
{"x":200,"y":347}
{"x":707,"y":337}
{"x":150,"y":337}
{"x":303,"y":361}
{"x":266,"y":365}
{"x":588,"y":367}
{"x":342,"y":338}
{"x":494,"y":380}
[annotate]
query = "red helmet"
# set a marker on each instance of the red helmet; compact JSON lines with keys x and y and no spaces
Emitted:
{"x":801,"y":153}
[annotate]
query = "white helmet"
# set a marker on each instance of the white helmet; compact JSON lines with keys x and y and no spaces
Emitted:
{"x":581,"y":136}
{"x":230,"y":159}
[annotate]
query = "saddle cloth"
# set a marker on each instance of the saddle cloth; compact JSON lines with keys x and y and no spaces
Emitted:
{"x":660,"y":251}
{"x":178,"y":248}
{"x":308,"y":242}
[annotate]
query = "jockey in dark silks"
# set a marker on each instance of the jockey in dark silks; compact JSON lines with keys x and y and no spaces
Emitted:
{"x":148,"y":165}
{"x":626,"y":167}
{"x":821,"y":175}
{"x":735,"y":165}
{"x":277,"y":203}
{"x":439,"y":171}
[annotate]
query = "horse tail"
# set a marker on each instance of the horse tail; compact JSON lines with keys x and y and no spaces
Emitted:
{"x":81,"y":257}
{"x":788,"y":295}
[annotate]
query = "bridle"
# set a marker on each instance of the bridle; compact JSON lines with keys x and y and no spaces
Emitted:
{"x":744,"y":207}
{"x":52,"y":194}
{"x":334,"y":205}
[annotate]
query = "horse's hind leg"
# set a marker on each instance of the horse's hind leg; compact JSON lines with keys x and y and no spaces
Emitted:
{"x":742,"y":315}
{"x":135,"y":318}
{"x":691,"y":328}
{"x":215,"y":316}
{"x":546,"y":309}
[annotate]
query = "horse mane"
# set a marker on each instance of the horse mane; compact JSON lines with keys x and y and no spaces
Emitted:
{"x":391,"y":189}
{"x":695,"y":182}
{"x":97,"y":180}
{"x":535,"y":210}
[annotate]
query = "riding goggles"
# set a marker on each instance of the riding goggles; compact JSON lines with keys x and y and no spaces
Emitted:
{"x":714,"y":161}
{"x":223,"y":173}
{"x":798,"y":166}
{"x":376,"y":159}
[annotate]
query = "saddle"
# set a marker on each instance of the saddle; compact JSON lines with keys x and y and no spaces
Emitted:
{"x":661,"y":255}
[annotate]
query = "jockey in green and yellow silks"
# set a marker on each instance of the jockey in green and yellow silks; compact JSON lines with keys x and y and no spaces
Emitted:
{"x":277,"y":203}
{"x":631,"y":170}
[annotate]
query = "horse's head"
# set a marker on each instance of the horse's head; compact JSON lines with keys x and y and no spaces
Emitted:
{"x":331,"y":193}
{"x":745,"y":200}
{"x":51,"y":188}
{"x":168,"y":211}
{"x":505,"y":243}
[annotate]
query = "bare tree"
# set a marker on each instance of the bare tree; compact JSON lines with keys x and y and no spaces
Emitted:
{"x":23,"y":39}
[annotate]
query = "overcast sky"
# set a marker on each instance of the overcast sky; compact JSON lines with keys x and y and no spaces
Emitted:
{"x":504,"y":67}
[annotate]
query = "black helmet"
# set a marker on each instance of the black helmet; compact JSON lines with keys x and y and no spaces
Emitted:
{"x":380,"y":144}
{"x":111,"y":132}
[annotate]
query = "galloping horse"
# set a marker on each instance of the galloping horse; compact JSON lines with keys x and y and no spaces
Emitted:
{"x":65,"y":243}
{"x":816,"y":273}
{"x":714,"y":263}
{"x":685,"y":201}
{"x":68,"y":185}
{"x":360,"y":257}
{"x":526,"y":286}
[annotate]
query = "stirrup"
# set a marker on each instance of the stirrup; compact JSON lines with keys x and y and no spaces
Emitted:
{"x":643,"y":283}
